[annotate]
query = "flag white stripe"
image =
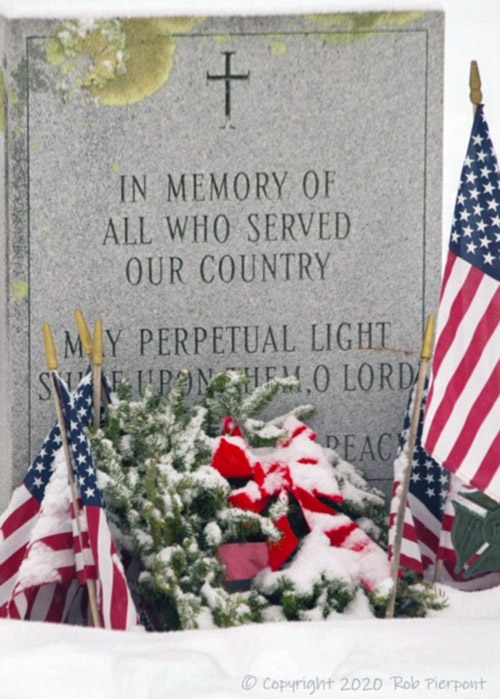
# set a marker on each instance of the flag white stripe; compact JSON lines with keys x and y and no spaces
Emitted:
{"x":11,"y":544}
{"x":421,"y":513}
{"x":6,"y":589}
{"x":457,"y":278}
{"x":460,"y":345}
{"x":21,"y":604}
{"x":481,"y":443}
{"x":424,"y":550}
{"x":43,"y":600}
{"x":105,"y":567}
{"x":411,"y":548}
{"x":460,"y":411}
{"x":20,"y":496}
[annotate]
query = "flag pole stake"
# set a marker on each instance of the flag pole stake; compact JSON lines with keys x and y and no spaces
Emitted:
{"x":425,"y":357}
{"x":52,"y":365}
{"x":97,"y":358}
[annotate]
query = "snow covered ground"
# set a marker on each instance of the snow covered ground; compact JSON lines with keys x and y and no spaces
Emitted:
{"x":454,"y":653}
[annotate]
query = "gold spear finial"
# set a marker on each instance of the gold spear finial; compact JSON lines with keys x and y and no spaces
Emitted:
{"x":50,"y":348}
{"x":84,"y":332}
{"x":97,"y":350}
{"x":428,"y":343}
{"x":476,"y":96}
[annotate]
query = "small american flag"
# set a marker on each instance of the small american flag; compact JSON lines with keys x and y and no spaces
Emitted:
{"x":462,"y":420}
{"x":44,"y":558}
{"x":425,"y":505}
{"x":100,"y":559}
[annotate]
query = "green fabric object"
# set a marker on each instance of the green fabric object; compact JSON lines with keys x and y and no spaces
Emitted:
{"x":476,"y":534}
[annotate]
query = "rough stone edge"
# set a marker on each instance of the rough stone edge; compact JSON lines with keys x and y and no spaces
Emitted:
{"x":5,"y":379}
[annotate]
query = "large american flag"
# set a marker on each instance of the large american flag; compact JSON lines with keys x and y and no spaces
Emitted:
{"x":427,"y":495}
{"x":462,"y":420}
{"x":46,"y":552}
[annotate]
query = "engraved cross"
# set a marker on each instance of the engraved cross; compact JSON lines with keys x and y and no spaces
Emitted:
{"x":228,"y":77}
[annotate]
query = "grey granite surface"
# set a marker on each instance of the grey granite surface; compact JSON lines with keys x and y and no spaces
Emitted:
{"x":262,"y":193}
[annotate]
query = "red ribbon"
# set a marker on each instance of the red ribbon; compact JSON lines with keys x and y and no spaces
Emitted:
{"x":232,"y":461}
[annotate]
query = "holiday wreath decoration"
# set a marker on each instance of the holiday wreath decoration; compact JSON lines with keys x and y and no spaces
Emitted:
{"x":187,"y":485}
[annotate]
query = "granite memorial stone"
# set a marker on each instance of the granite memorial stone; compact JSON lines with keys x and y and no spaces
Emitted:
{"x":257,"y":193}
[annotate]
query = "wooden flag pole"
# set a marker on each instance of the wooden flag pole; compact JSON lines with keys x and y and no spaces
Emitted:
{"x":476,"y":98}
{"x":97,"y":358}
{"x":52,"y":365}
{"x":425,"y":357}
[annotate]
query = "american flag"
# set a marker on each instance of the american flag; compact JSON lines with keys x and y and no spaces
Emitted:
{"x":425,"y":505}
{"x":44,"y":556}
{"x":462,"y":420}
{"x":100,"y":557}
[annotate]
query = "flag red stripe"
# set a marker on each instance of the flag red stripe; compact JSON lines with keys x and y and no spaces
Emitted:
{"x":426,"y":535}
{"x":489,"y":466}
{"x":448,"y":555}
{"x":59,"y":542}
{"x":411,"y":563}
{"x":450,"y":263}
{"x":448,"y":522}
{"x":119,"y":603}
{"x":20,"y":516}
{"x":409,"y":533}
{"x":58,"y":603}
{"x":485,"y":329}
{"x":479,"y":410}
{"x":11,"y":566}
{"x":458,"y":309}
{"x":81,"y":542}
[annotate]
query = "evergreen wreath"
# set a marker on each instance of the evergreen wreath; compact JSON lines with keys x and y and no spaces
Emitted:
{"x":170,"y":510}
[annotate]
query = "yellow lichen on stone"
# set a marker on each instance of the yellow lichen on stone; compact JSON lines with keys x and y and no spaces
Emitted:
{"x":278,"y":49}
{"x":119,"y":62}
{"x":20,"y":290}
{"x":68,"y":67}
{"x":3,"y":102}
{"x":55,"y":52}
{"x":356,"y":26}
{"x":34,"y":147}
{"x":221,"y":38}
{"x":14,"y":97}
{"x":116,"y":167}
{"x":150,"y":58}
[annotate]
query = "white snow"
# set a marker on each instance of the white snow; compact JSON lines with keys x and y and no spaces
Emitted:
{"x":213,"y":534}
{"x":302,"y":659}
{"x":40,"y":565}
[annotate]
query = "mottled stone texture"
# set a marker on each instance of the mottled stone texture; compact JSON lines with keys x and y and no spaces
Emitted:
{"x":262,"y":193}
